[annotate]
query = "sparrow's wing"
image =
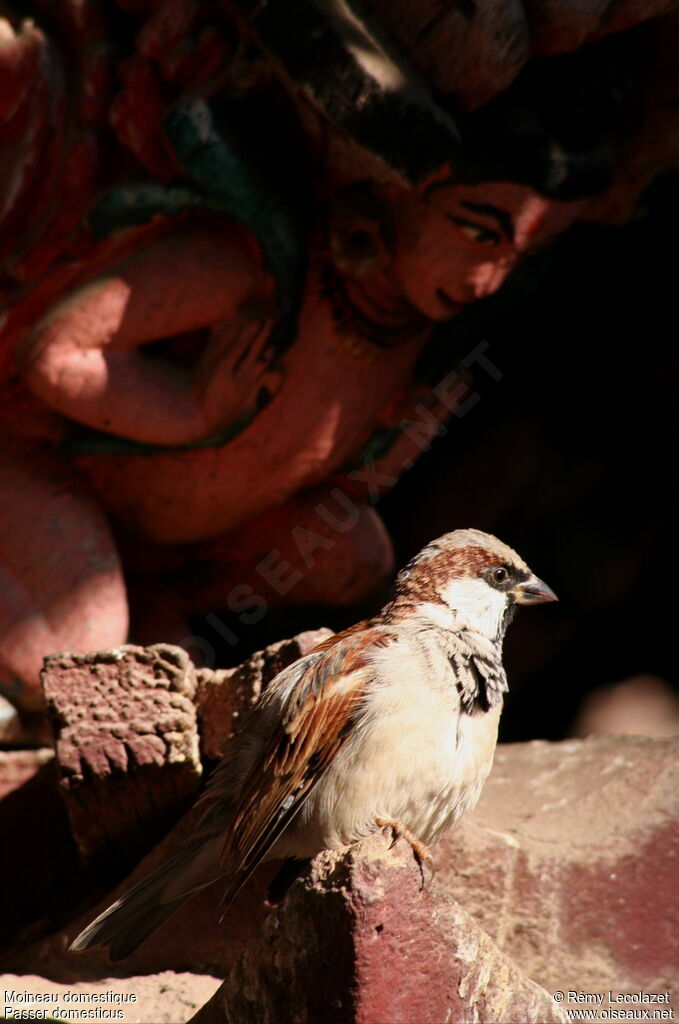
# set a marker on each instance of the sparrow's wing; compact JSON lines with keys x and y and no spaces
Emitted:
{"x":259,"y":786}
{"x":319,"y":711}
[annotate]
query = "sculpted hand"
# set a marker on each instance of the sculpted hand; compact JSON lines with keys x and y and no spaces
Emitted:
{"x":236,"y":375}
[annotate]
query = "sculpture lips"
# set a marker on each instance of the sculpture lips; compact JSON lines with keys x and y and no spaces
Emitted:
{"x":449,"y":303}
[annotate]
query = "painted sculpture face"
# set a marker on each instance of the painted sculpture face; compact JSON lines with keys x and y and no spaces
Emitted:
{"x":456,"y":243}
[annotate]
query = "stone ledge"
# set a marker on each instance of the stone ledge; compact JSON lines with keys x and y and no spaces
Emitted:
{"x":570,"y":862}
{"x":358,"y":941}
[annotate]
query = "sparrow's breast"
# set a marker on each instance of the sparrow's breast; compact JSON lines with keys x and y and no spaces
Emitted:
{"x":414,"y":756}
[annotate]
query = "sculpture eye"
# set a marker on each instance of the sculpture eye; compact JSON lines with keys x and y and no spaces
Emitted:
{"x":475,"y":232}
{"x":500,"y":575}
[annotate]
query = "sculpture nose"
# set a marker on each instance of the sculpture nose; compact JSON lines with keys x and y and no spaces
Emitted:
{"x":488,"y":277}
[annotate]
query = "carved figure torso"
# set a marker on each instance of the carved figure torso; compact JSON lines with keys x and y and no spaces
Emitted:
{"x":330,"y":388}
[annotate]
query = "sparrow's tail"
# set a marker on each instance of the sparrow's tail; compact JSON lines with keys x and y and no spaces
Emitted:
{"x":139,"y":911}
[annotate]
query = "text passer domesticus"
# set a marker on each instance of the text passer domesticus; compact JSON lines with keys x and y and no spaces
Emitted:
{"x":390,"y":723}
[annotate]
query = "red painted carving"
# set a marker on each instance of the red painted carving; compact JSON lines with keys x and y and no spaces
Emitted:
{"x":159,"y":334}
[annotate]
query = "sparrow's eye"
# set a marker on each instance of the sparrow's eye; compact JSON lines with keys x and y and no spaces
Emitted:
{"x":500,"y":575}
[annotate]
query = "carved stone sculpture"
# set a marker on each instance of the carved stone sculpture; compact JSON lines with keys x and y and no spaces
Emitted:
{"x":224,"y":252}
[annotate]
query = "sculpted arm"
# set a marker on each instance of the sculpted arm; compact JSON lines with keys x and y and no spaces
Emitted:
{"x":87,"y":360}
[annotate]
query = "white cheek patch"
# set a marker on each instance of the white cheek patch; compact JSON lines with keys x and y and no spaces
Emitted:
{"x":439,"y":614}
{"x":481,"y":605}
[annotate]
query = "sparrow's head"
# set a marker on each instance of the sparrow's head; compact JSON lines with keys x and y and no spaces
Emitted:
{"x":468,"y":579}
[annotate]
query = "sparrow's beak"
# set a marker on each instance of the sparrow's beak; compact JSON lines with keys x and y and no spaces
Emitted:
{"x":533,"y":591}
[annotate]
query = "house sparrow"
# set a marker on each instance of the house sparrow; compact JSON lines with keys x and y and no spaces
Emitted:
{"x":392,"y":723}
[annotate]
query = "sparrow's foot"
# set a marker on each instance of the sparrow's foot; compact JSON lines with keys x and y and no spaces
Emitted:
{"x":421,"y":852}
